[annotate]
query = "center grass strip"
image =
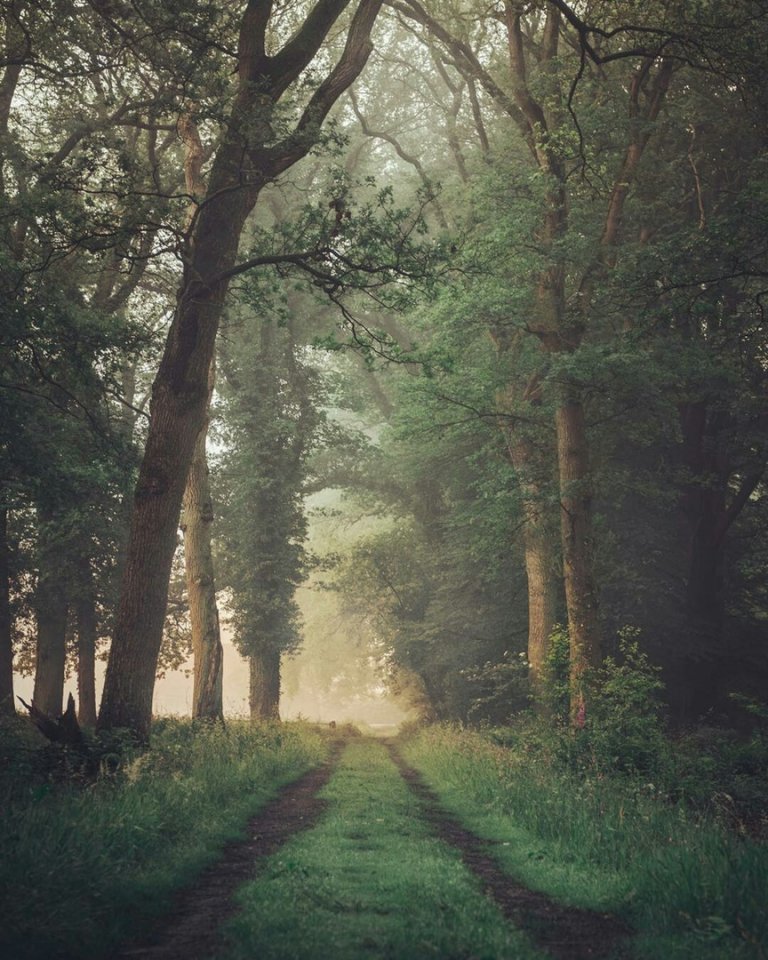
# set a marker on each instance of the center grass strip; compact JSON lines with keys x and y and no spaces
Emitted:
{"x":369,"y":882}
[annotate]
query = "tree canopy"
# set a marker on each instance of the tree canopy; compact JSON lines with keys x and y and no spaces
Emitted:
{"x":493,"y":274}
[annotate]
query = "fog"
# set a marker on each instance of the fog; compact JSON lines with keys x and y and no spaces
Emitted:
{"x":366,"y":702}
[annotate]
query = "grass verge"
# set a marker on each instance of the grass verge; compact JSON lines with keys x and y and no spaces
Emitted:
{"x":84,"y":867}
{"x":369,"y":882}
{"x":690,"y":888}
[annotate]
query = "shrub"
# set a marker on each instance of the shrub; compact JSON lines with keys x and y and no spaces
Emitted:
{"x":624,"y":728}
{"x":555,"y":690}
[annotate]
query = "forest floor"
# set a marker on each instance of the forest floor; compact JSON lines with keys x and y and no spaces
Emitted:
{"x":358,"y":858}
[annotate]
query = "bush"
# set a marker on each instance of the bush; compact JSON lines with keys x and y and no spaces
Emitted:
{"x":624,"y":728}
{"x":556,"y":684}
{"x":502,"y":687}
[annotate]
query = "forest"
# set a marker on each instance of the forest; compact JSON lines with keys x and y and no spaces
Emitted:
{"x":416,"y":349}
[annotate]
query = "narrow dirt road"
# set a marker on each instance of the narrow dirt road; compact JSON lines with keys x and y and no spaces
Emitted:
{"x":193,"y":927}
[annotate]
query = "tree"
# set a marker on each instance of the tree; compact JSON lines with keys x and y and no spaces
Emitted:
{"x":271,"y":419}
{"x":197,"y":518}
{"x":73,"y":249}
{"x":250,"y":154}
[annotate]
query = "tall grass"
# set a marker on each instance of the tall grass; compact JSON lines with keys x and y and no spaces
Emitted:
{"x":690,"y":886}
{"x":82,"y":867}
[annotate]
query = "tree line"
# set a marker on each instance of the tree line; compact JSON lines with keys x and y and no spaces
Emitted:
{"x":533,"y":237}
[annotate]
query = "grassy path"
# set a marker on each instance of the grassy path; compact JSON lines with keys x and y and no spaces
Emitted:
{"x":370,"y":880}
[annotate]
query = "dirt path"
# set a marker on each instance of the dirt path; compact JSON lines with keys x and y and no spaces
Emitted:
{"x":566,"y":933}
{"x":190,"y":930}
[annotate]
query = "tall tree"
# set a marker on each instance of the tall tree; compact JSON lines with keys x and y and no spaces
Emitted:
{"x":252,"y":153}
{"x":536,"y":105}
{"x":197,"y":520}
{"x":270,"y":420}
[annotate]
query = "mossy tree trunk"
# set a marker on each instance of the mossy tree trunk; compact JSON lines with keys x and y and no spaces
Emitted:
{"x":207,"y":702}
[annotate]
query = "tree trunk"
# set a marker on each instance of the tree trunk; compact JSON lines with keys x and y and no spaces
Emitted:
{"x":577,"y":538}
{"x":85,"y":609}
{"x":201,"y":587}
{"x":542,"y":592}
{"x":6,"y":624}
{"x":51,"y":610}
{"x":539,"y":547}
{"x":264,"y":693}
{"x":242,"y":165}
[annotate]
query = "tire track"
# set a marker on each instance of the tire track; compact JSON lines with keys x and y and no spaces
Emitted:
{"x":566,"y":933}
{"x":191,"y":928}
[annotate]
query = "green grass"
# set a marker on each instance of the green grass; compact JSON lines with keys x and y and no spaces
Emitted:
{"x":690,"y":887}
{"x":82,"y":868}
{"x":369,"y":882}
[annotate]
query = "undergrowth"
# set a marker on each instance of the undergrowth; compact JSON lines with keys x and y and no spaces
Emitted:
{"x":83,"y":865}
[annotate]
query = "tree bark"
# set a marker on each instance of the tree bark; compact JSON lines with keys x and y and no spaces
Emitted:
{"x":540,"y":565}
{"x":207,"y":698}
{"x":242,"y":165}
{"x":264,"y":692}
{"x":6,"y":624}
{"x":51,"y":605}
{"x":542,"y":596}
{"x":179,"y":399}
{"x":559,"y":334}
{"x":581,"y":592}
{"x":85,"y":611}
{"x":539,"y":541}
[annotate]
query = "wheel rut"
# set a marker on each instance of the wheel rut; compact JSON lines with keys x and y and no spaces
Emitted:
{"x":566,"y":933}
{"x":191,"y":928}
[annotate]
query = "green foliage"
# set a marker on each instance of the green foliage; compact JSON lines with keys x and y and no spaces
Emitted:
{"x":82,"y":868}
{"x":623,"y":726}
{"x":556,"y":683}
{"x":723,"y":774}
{"x":270,"y":421}
{"x":501,"y":688}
